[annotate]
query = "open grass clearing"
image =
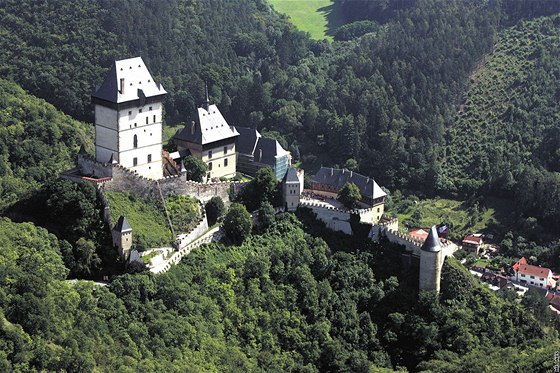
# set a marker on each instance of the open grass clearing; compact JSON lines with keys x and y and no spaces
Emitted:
{"x":317,"y":17}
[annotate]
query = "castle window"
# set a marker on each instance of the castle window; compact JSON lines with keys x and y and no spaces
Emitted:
{"x":150,"y":108}
{"x":140,"y":110}
{"x":225,"y":162}
{"x":149,"y":158}
{"x":134,"y":124}
{"x":209,"y":154}
{"x":135,"y":141}
{"x":154,"y":118}
{"x":146,"y":120}
{"x":532,"y":276}
{"x":225,"y":149}
{"x":210,"y":166}
{"x":134,"y":161}
{"x":129,"y":112}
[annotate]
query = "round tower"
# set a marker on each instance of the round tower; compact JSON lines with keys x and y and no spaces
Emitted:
{"x":430,"y":262}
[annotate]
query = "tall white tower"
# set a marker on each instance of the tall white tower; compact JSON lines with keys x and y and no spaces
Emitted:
{"x":431,"y":261}
{"x":128,"y":118}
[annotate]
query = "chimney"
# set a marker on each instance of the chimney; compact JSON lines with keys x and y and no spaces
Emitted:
{"x":192,"y":127}
{"x":260,"y":155}
{"x":350,"y":173}
{"x":121,"y":90}
{"x":332,"y":171}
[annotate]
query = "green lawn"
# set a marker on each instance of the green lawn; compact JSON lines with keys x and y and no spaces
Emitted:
{"x":317,"y":17}
{"x":146,"y":217}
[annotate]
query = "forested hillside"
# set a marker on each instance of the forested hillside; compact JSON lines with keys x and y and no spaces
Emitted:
{"x":283,"y":301}
{"x":37,"y":143}
{"x":506,"y":136}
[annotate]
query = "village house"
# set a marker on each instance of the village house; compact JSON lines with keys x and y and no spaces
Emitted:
{"x":532,"y":275}
{"x":472,"y":244}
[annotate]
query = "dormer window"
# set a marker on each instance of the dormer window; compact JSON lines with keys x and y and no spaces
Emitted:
{"x":135,"y":141}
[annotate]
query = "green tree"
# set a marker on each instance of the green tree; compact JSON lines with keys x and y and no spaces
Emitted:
{"x":196,"y":169}
{"x":349,"y":195}
{"x":215,"y":210}
{"x":266,"y":215}
{"x":237,"y":223}
{"x":265,"y":185}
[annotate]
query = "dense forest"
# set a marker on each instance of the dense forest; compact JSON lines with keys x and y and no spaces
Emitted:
{"x":433,"y":97}
{"x":282,"y":301}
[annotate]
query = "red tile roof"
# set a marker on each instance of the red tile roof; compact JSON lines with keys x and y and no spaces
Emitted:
{"x":473,"y":240}
{"x":530,"y":270}
{"x":521,"y":261}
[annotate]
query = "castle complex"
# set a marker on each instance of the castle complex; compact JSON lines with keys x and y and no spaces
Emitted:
{"x":129,"y":158}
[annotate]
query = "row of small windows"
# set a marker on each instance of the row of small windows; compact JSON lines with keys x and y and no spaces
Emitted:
{"x":210,"y":164}
{"x":135,"y":160}
{"x":139,"y":110}
{"x":210,"y":152}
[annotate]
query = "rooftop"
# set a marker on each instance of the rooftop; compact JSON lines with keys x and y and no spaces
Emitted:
{"x":128,"y":80}
{"x":338,"y":177}
{"x":211,"y":127}
{"x":122,"y":225}
{"x":531,"y":270}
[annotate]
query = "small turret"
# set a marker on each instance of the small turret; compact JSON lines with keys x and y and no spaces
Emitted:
{"x":122,"y":237}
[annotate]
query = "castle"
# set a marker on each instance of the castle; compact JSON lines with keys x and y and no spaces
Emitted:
{"x":129,"y":158}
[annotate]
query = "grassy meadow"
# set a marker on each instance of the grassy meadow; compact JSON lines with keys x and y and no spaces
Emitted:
{"x":317,"y":17}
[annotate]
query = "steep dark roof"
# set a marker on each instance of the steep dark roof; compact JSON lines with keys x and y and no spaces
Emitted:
{"x":338,"y":177}
{"x":270,"y":148}
{"x":247,"y":140}
{"x":122,"y":225}
{"x":291,"y":176}
{"x":432,"y":243}
{"x":138,"y":82}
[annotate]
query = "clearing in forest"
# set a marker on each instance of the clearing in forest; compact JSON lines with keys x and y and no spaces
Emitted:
{"x":317,"y":17}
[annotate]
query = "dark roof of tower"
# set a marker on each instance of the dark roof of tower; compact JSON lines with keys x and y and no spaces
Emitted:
{"x":338,"y":177}
{"x":432,"y":243}
{"x":291,"y":176}
{"x":122,"y":225}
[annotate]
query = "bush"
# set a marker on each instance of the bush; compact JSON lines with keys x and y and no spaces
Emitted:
{"x":237,"y":223}
{"x":215,"y":210}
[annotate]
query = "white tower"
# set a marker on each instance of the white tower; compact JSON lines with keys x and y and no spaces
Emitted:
{"x":128,"y":118}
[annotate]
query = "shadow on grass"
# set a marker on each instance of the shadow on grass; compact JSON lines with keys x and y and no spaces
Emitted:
{"x":333,"y":16}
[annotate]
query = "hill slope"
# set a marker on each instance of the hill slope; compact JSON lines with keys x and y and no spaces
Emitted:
{"x":511,"y":115}
{"x":37,"y":142}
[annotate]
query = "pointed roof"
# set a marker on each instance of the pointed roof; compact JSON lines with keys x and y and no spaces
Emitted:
{"x":247,"y":140}
{"x":267,"y":150}
{"x":211,"y":127}
{"x":291,"y":176}
{"x":122,"y":225}
{"x":137,"y":82}
{"x":432,"y":243}
{"x":207,"y":102}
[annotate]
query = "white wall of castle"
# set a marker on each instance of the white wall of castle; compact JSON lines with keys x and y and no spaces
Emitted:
{"x":221,"y":161}
{"x":115,"y":131}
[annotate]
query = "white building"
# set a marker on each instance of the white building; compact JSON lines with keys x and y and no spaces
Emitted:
{"x":128,"y":118}
{"x":212,"y":140}
{"x":292,"y":187}
{"x":528,"y":274}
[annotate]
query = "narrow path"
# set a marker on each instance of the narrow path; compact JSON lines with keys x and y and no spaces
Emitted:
{"x":213,"y":234}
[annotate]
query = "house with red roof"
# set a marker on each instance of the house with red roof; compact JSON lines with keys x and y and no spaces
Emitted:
{"x":532,"y":275}
{"x":472,"y":243}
